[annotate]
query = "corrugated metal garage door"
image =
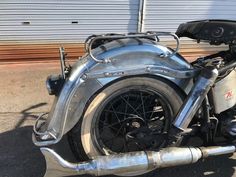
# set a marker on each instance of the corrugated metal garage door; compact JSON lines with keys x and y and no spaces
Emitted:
{"x":53,"y":22}
{"x":162,"y":15}
{"x":65,"y":20}
{"x":33,"y":29}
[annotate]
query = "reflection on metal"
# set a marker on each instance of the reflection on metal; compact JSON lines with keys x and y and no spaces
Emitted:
{"x":130,"y":162}
{"x":196,"y":96}
{"x":124,"y":53}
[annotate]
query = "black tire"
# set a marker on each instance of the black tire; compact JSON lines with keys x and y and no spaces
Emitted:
{"x":83,"y":137}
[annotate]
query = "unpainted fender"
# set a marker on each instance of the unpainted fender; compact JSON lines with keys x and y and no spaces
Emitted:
{"x":88,"y":77}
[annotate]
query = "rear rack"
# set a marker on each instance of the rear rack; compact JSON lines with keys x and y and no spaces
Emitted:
{"x":91,"y":39}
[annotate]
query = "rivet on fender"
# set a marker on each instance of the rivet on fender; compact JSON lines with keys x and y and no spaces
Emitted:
{"x":107,"y":74}
{"x":148,"y":69}
{"x":84,"y":76}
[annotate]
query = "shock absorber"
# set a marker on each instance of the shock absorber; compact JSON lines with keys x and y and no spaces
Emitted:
{"x":193,"y":101}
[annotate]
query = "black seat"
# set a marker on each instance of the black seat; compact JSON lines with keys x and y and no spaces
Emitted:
{"x":215,"y":32}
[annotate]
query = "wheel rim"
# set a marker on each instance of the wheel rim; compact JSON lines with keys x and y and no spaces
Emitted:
{"x":132,"y":119}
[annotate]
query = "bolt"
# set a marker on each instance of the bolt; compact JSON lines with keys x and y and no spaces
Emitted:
{"x":107,"y":74}
{"x":84,"y":76}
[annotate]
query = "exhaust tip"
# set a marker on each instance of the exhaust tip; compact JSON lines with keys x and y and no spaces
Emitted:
{"x":56,"y":165}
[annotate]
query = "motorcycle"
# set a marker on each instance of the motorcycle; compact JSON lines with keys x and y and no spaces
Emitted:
{"x":131,"y":105}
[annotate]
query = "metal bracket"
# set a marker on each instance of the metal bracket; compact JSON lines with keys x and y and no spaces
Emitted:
{"x":64,"y":69}
{"x":62,"y":61}
{"x":42,"y":134}
{"x":89,"y":42}
{"x":150,"y":69}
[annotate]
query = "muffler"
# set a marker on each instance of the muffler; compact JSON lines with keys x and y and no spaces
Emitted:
{"x":130,"y":163}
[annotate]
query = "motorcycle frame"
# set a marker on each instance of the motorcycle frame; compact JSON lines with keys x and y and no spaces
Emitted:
{"x":127,"y":58}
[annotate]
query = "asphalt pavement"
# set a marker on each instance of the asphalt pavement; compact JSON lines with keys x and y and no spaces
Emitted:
{"x":23,"y":97}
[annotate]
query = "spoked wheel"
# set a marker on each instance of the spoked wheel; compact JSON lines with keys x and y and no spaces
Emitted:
{"x":133,"y":120}
{"x":133,"y":114}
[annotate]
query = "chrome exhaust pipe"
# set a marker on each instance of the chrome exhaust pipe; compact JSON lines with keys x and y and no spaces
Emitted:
{"x":132,"y":162}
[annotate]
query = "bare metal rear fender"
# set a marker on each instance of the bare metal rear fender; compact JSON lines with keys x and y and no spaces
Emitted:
{"x":88,"y":77}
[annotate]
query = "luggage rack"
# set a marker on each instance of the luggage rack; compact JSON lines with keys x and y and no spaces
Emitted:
{"x":111,"y":36}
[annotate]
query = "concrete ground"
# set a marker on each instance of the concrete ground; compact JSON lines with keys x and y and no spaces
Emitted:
{"x":23,"y":96}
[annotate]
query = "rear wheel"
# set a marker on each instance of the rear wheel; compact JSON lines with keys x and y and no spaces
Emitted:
{"x":133,"y":114}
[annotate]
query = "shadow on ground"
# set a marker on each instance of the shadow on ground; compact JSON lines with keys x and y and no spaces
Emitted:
{"x":20,"y":158}
{"x":28,"y":113}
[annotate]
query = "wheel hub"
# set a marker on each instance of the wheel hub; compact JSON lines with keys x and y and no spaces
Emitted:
{"x":135,"y":124}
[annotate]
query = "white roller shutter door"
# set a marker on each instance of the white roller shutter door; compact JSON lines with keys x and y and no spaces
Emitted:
{"x":65,"y":20}
{"x":166,"y":15}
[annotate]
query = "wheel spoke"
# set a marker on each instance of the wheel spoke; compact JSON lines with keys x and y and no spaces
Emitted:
{"x":111,"y":125}
{"x":130,"y":106}
{"x":115,"y":113}
{"x":108,"y":126}
{"x":141,"y":103}
{"x":141,"y":95}
{"x":153,"y":111}
{"x":126,"y":107}
{"x":117,"y":133}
